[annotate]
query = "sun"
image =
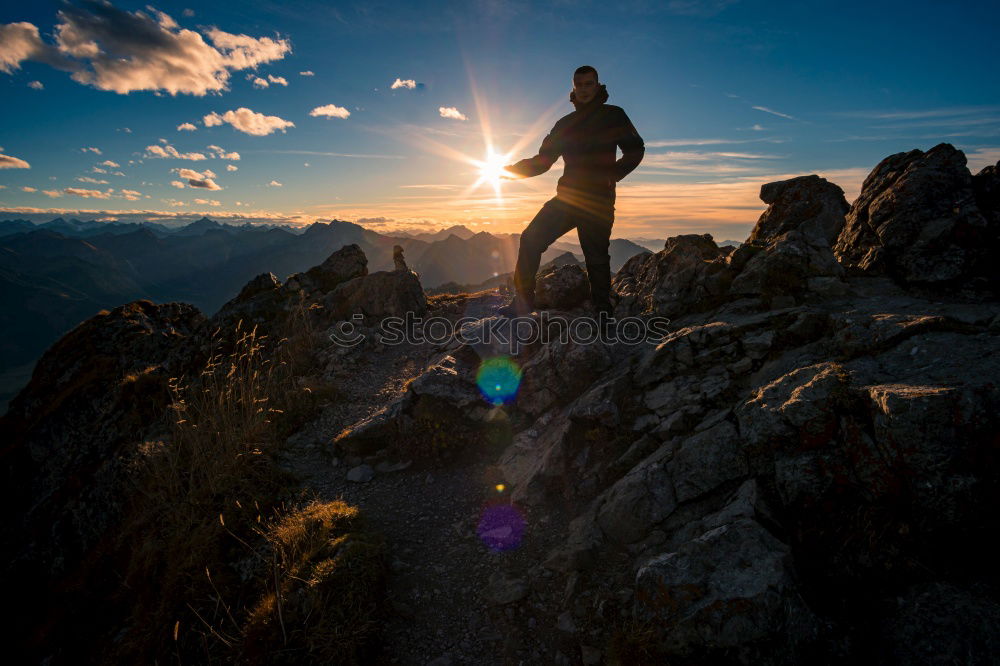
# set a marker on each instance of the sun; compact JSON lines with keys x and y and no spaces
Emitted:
{"x":491,"y":170}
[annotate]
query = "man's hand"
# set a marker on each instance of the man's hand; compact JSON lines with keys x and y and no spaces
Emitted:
{"x":505,"y":174}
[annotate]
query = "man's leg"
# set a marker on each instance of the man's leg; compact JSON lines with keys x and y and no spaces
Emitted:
{"x":551,"y":222}
{"x":594,"y":230}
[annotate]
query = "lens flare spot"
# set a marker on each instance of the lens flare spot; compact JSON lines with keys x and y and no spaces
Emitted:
{"x":500,"y":487}
{"x":498,"y":379}
{"x":501,"y":527}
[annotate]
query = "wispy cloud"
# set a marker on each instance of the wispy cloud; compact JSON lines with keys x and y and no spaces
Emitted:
{"x":277,"y":80}
{"x":403,"y":83}
{"x":36,"y":85}
{"x":96,"y":151}
{"x":189,"y":127}
{"x":306,"y":73}
{"x":326,"y":154}
{"x":274,"y":183}
{"x":665,"y":143}
{"x":89,"y":194}
{"x":940,"y":112}
{"x":221,"y":153}
{"x":775,"y":113}
{"x":11,"y":162}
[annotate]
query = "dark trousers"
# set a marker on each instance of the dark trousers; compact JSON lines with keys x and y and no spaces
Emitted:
{"x":593,"y":222}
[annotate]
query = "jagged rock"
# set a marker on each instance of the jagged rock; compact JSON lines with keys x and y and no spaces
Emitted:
{"x":347,"y":263}
{"x":688,"y":275}
{"x":730,"y":589}
{"x":810,"y":205}
{"x":561,"y":287}
{"x":917,"y":221}
{"x":790,"y":244}
{"x":379,"y":294}
{"x":264,"y":299}
{"x":71,"y":432}
{"x":706,"y":461}
{"x":642,"y":498}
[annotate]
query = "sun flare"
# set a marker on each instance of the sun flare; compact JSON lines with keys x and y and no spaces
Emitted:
{"x":491,"y":170}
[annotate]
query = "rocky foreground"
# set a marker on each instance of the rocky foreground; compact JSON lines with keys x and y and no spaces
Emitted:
{"x":804,"y":470}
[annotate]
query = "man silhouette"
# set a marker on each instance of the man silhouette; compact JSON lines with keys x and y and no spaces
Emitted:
{"x":587,"y":140}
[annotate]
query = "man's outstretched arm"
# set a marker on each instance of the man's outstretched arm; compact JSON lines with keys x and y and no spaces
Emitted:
{"x":543,"y":161}
{"x":633,"y":148}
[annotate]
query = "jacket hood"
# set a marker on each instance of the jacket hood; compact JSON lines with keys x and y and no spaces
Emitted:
{"x":600,"y":98}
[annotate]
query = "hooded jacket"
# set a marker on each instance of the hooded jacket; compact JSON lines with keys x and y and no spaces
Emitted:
{"x":587,"y":139}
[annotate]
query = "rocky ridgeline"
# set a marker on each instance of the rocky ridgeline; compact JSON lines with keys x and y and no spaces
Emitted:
{"x":804,"y":470}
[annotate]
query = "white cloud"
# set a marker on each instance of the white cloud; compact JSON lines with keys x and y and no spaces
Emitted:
{"x":52,"y":193}
{"x":96,"y":151}
{"x":257,"y":81}
{"x":306,"y":73}
{"x":88,"y":179}
{"x":279,"y":80}
{"x":231,"y":167}
{"x":208,"y":202}
{"x":97,"y":169}
{"x":10,"y":162}
{"x":124,"y":129}
{"x":36,"y":85}
{"x":109,"y":163}
{"x":131,"y":195}
{"x":117,"y":173}
{"x":203,"y":180}
{"x":188,"y":127}
{"x":274,"y":183}
{"x":25,"y":188}
{"x":112,"y":49}
{"x":90,"y":194}
{"x":400,"y":83}
{"x":250,"y":122}
{"x":168,"y":151}
{"x":330,"y":111}
{"x":179,"y":184}
{"x":451,"y":112}
{"x":222,"y":154}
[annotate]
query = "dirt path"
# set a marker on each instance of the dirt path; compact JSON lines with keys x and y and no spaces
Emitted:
{"x":456,"y":598}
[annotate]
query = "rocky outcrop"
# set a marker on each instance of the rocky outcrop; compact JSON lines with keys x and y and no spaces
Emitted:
{"x":379,"y":294}
{"x":265,"y":300}
{"x":561,"y":286}
{"x":68,"y":441}
{"x":688,"y":274}
{"x":918,"y":221}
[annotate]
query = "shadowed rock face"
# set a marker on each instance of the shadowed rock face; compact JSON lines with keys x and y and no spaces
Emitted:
{"x":70,"y":433}
{"x":918,"y":221}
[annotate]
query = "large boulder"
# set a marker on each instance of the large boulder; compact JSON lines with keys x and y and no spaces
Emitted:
{"x":379,"y":294}
{"x":265,"y":300}
{"x":688,"y":275}
{"x":788,"y":252}
{"x":809,"y":204}
{"x":917,"y":220}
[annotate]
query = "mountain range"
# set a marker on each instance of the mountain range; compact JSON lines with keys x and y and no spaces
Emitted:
{"x":56,"y":274}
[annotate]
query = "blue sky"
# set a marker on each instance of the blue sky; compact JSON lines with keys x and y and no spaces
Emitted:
{"x":728,"y":95}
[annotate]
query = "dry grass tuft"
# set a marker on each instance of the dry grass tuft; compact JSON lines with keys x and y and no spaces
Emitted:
{"x":207,"y":539}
